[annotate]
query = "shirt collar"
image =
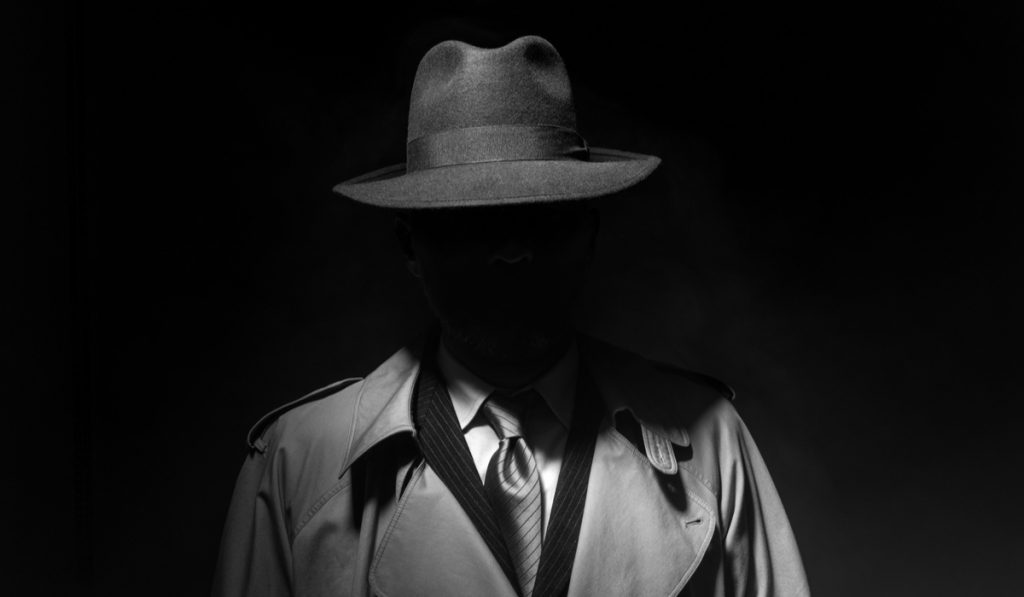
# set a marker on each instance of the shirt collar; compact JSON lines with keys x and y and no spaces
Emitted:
{"x":557,"y":386}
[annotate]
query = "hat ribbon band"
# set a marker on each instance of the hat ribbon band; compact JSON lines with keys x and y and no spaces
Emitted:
{"x":494,"y":143}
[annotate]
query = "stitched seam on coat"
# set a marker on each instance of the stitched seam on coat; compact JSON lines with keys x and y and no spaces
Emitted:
{"x":701,"y":478}
{"x":352,"y":430}
{"x":320,"y":503}
{"x":710,"y":513}
{"x":643,"y":458}
{"x":391,"y":528}
{"x":616,"y":434}
{"x":703,"y":546}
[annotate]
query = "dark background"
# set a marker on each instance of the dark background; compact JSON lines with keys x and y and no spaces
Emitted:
{"x":833,"y":232}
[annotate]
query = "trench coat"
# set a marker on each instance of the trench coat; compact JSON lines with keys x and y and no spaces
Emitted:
{"x":334,"y":498}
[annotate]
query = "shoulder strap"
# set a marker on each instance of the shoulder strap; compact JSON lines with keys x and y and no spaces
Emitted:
{"x":255,"y":435}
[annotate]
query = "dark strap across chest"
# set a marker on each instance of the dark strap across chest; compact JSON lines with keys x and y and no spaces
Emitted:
{"x":444,"y":448}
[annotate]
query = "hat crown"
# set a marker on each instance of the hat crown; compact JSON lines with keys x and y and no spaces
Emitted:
{"x":494,"y":127}
{"x":458,"y":85}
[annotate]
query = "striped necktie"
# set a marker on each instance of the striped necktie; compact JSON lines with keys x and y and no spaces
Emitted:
{"x":512,"y":486}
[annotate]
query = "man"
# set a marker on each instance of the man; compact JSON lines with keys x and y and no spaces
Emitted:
{"x":504,"y":453}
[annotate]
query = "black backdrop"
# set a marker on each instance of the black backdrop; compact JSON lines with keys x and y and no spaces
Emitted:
{"x":833,"y":232}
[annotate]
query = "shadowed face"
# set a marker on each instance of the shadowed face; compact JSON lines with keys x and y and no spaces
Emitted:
{"x":502,"y":280}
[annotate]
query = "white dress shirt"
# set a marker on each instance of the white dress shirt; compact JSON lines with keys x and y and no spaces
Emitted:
{"x":544,"y":430}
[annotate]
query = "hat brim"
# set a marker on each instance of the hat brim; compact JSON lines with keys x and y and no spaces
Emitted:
{"x":501,"y":183}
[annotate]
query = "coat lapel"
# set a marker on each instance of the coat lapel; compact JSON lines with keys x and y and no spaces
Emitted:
{"x":432,"y":548}
{"x":643,"y":533}
{"x":442,"y":539}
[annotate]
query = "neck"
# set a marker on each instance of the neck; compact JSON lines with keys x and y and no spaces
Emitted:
{"x":507,"y":374}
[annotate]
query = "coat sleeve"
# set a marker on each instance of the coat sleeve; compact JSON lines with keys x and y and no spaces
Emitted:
{"x":255,"y":552}
{"x":761,"y":554}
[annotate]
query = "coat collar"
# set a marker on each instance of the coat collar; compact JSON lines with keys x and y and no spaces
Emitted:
{"x":663,"y":399}
{"x":384,"y":404}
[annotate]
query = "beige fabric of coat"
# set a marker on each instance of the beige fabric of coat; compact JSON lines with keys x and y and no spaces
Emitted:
{"x":334,"y":499}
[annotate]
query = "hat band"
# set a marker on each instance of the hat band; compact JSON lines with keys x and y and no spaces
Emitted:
{"x":494,"y":143}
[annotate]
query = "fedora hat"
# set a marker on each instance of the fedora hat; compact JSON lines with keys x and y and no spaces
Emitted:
{"x":495,"y":127}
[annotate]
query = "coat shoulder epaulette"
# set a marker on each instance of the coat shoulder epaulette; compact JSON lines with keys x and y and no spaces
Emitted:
{"x":255,"y":436}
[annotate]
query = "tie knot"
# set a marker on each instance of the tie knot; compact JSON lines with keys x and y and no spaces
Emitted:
{"x":505,"y":412}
